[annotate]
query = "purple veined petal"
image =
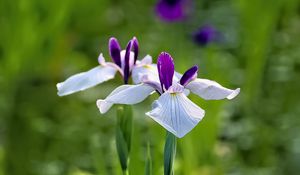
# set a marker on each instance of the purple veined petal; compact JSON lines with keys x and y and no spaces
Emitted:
{"x":114,"y":51}
{"x":189,"y":75}
{"x":127,"y":62}
{"x":165,"y":67}
{"x":135,"y":45}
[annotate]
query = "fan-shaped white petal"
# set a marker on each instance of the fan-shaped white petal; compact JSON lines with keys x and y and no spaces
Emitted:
{"x":176,"y":113}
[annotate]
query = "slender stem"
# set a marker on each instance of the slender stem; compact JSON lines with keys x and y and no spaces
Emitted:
{"x":123,"y":136}
{"x":125,"y":172}
{"x":169,"y":153}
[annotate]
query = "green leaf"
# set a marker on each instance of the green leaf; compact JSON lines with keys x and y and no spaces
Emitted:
{"x":123,"y":134}
{"x":169,"y":153}
{"x":148,"y":169}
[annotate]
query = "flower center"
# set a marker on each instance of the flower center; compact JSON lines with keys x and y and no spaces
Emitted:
{"x":172,"y":2}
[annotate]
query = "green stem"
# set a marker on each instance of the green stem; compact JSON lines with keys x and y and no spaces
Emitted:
{"x":123,"y":136}
{"x":169,"y":153}
{"x":125,"y":172}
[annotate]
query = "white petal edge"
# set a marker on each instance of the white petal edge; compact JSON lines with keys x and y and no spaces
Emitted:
{"x":146,"y":60}
{"x":211,"y":90}
{"x":176,"y":113}
{"x":85,"y":80}
{"x":125,"y":94}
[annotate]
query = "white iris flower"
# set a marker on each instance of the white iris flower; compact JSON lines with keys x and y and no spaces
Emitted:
{"x":124,"y":62}
{"x":172,"y":110}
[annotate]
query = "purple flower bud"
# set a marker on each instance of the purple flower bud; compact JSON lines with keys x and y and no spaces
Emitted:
{"x":171,"y":10}
{"x":205,"y":35}
{"x":165,"y":67}
{"x":114,"y":50}
{"x":189,"y":75}
{"x":127,"y":60}
{"x":135,"y":44}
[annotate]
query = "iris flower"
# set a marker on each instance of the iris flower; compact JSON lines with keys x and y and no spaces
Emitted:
{"x":205,"y":35}
{"x":172,"y":110}
{"x":171,"y":10}
{"x":124,"y":62}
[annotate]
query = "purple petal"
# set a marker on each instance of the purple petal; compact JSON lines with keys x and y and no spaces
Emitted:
{"x":165,"y":66}
{"x":170,"y":10}
{"x":135,"y":44}
{"x":114,"y":51}
{"x":205,"y":35}
{"x":189,"y":75}
{"x":127,"y":57}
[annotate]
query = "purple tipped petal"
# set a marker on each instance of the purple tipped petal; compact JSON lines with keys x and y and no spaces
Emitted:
{"x":189,"y":75}
{"x":165,"y":66}
{"x":114,"y":51}
{"x":170,"y":10}
{"x":127,"y":59}
{"x":205,"y":35}
{"x":135,"y":44}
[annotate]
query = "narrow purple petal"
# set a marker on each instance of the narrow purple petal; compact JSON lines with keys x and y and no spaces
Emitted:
{"x":127,"y":59}
{"x":165,"y":66}
{"x":135,"y":44}
{"x":189,"y":75}
{"x":114,"y":50}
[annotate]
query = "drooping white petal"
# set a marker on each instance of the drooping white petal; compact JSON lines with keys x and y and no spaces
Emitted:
{"x":211,"y":90}
{"x":125,"y":94}
{"x":85,"y":80}
{"x":176,"y":113}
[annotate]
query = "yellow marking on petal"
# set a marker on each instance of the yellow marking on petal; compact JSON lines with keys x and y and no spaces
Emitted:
{"x":148,"y":66}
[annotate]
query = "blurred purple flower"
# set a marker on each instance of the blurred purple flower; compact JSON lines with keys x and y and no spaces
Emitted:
{"x":171,"y":10}
{"x":205,"y":35}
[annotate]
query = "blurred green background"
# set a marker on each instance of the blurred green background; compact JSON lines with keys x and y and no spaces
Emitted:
{"x":45,"y":41}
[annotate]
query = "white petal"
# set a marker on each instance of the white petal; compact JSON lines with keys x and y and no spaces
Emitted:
{"x":149,"y":70}
{"x":125,"y":94}
{"x":103,"y":106}
{"x":211,"y":90}
{"x":146,"y":60}
{"x":177,"y":76}
{"x":131,"y":59}
{"x":85,"y":80}
{"x":101,"y":59}
{"x":176,"y":113}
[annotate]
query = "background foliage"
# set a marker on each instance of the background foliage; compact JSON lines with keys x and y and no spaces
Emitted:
{"x":43,"y":42}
